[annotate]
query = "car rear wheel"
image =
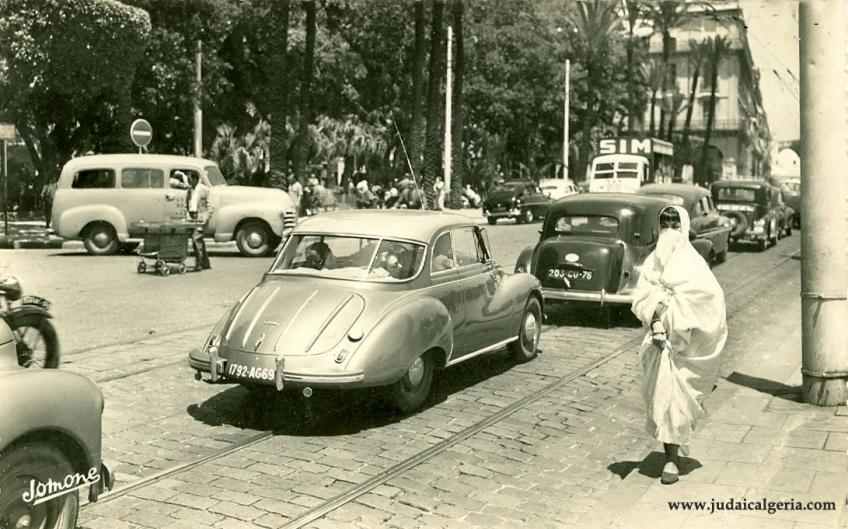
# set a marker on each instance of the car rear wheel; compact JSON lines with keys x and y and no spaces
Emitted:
{"x":410,"y":392}
{"x":255,"y":239}
{"x":527,"y":216}
{"x":492,"y":220}
{"x":35,"y":462}
{"x":100,"y":239}
{"x":526,"y":347}
{"x":763,"y":244}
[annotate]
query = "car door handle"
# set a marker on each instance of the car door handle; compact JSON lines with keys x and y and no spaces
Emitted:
{"x":169,"y":196}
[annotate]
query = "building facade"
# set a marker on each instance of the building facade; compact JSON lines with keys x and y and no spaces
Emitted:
{"x":740,"y":135}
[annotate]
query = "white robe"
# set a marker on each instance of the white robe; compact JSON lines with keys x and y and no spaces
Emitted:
{"x":691,"y":307}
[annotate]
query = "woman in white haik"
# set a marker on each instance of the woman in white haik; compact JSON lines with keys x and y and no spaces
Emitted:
{"x":682,"y":305}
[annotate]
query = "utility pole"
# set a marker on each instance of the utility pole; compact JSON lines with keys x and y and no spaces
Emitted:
{"x":448,"y":156}
{"x":824,"y":189}
{"x":565,"y":120}
{"x":5,"y":190}
{"x":198,"y":112}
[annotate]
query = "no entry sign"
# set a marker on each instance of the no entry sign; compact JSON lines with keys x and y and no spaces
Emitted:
{"x":141,"y":132}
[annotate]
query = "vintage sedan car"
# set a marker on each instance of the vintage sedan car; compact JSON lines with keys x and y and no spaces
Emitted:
{"x":755,"y":209}
{"x":590,"y":247}
{"x":557,"y":188}
{"x":47,"y":435}
{"x":521,"y":200}
{"x":706,"y":222}
{"x":374,"y":298}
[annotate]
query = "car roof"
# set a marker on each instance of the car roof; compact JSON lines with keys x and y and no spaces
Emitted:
{"x":608,"y":202}
{"x":130,"y":158}
{"x":411,"y":224}
{"x":742,"y":183}
{"x":689,"y":193}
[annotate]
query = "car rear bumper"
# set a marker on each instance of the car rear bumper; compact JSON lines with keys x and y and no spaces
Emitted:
{"x":292,"y":375}
{"x":601,"y":297}
{"x":511,"y":214}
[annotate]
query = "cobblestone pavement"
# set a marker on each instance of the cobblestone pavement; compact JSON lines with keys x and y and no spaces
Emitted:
{"x":540,"y":466}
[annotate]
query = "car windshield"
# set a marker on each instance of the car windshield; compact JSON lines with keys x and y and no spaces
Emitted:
{"x":344,"y":257}
{"x":586,"y":225}
{"x":737,"y":193}
{"x":510,"y":186}
{"x":214,"y":175}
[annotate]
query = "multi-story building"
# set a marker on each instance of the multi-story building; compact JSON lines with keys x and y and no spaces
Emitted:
{"x":740,"y":135}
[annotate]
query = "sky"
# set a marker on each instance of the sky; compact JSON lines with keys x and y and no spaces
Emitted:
{"x":773,"y":38}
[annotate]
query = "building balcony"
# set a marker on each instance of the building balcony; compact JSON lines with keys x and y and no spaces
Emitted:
{"x":718,"y":124}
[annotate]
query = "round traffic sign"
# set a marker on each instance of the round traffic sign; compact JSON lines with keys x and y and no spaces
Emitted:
{"x":141,"y":132}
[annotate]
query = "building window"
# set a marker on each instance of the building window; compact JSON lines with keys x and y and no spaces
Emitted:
{"x":706,"y":77}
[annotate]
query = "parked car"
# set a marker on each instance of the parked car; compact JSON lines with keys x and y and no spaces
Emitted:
{"x":557,"y":188}
{"x":102,"y":198}
{"x":374,"y":298}
{"x":755,"y":210}
{"x":792,"y":198}
{"x":591,"y":245}
{"x":518,"y":199}
{"x":50,"y":429}
{"x":706,"y":221}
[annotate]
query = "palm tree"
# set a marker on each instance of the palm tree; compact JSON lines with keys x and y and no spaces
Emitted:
{"x":697,"y":55}
{"x":719,"y":47}
{"x":633,"y":10}
{"x":652,"y":73}
{"x":595,"y":31}
{"x":301,"y":151}
{"x":419,"y":122}
{"x":666,"y":15}
{"x":279,"y":90}
{"x":457,"y":148}
{"x":672,"y":104}
{"x":433,"y":145}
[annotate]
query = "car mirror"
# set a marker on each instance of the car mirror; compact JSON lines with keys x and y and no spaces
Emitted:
{"x":692,"y":235}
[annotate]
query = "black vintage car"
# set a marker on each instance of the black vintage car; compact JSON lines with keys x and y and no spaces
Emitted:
{"x":520,"y":200}
{"x":591,"y":245}
{"x":755,"y":209}
{"x":706,"y":221}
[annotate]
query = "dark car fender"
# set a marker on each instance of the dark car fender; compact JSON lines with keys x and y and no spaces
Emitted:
{"x":703,"y":247}
{"x":525,"y":260}
{"x":400,"y":336}
{"x":519,"y":287}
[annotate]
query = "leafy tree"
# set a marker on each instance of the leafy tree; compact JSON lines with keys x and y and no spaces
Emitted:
{"x":719,"y":48}
{"x":65,"y":73}
{"x":279,"y":81}
{"x":433,"y":145}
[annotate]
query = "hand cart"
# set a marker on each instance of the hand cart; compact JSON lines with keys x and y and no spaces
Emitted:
{"x":166,"y":245}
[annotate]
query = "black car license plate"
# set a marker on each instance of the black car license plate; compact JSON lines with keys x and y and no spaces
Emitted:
{"x":250,"y":372}
{"x":37,"y":301}
{"x":571,"y":275}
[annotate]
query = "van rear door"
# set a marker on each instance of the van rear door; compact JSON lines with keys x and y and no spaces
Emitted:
{"x":141,"y":195}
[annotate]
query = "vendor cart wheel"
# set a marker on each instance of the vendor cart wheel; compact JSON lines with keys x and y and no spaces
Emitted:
{"x":166,"y":271}
{"x":142,"y":268}
{"x":182,"y":268}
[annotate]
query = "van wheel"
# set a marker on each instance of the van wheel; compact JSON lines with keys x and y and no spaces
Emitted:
{"x":100,"y":239}
{"x":255,"y":239}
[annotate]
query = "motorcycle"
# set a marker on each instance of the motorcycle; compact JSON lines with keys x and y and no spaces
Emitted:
{"x":29,"y":318}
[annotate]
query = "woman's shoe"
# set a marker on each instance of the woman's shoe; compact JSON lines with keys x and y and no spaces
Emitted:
{"x":670,"y":474}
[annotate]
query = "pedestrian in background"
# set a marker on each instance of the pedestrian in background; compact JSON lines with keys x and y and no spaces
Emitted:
{"x":199,"y":209}
{"x":439,"y":188}
{"x":47,"y":194}
{"x":682,"y":306}
{"x":295,"y":192}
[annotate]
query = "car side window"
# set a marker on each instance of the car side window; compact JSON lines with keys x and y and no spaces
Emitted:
{"x":142,"y":178}
{"x":465,"y":247}
{"x":443,"y":258}
{"x":482,"y":245}
{"x":94,"y":179}
{"x":181,"y":178}
{"x":697,"y":210}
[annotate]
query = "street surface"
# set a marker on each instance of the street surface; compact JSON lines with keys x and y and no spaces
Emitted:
{"x":559,"y":421}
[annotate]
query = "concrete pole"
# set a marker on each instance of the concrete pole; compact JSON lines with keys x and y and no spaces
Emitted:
{"x":448,"y":159}
{"x":5,"y":190}
{"x":565,"y":114}
{"x":824,"y":201}
{"x":198,"y":112}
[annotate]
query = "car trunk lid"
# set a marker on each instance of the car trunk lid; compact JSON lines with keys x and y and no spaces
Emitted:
{"x":580,"y":264}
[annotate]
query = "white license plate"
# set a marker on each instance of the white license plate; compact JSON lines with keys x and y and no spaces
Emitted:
{"x":250,"y":372}
{"x":579,"y":275}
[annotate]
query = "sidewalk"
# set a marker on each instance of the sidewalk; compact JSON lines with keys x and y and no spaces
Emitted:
{"x":759,"y":444}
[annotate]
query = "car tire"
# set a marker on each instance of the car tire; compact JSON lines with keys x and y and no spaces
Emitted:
{"x":721,"y":256}
{"x":40,"y":462}
{"x":763,"y":244}
{"x":412,"y":390}
{"x":741,"y":223}
{"x":42,"y":330}
{"x":100,"y":239}
{"x":526,"y":347}
{"x":527,"y":216}
{"x":492,"y":220}
{"x":255,"y":239}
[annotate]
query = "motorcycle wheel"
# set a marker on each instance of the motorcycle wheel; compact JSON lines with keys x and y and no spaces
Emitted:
{"x":38,"y":342}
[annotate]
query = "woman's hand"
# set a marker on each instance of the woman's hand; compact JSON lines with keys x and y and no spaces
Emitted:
{"x":659,"y":334}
